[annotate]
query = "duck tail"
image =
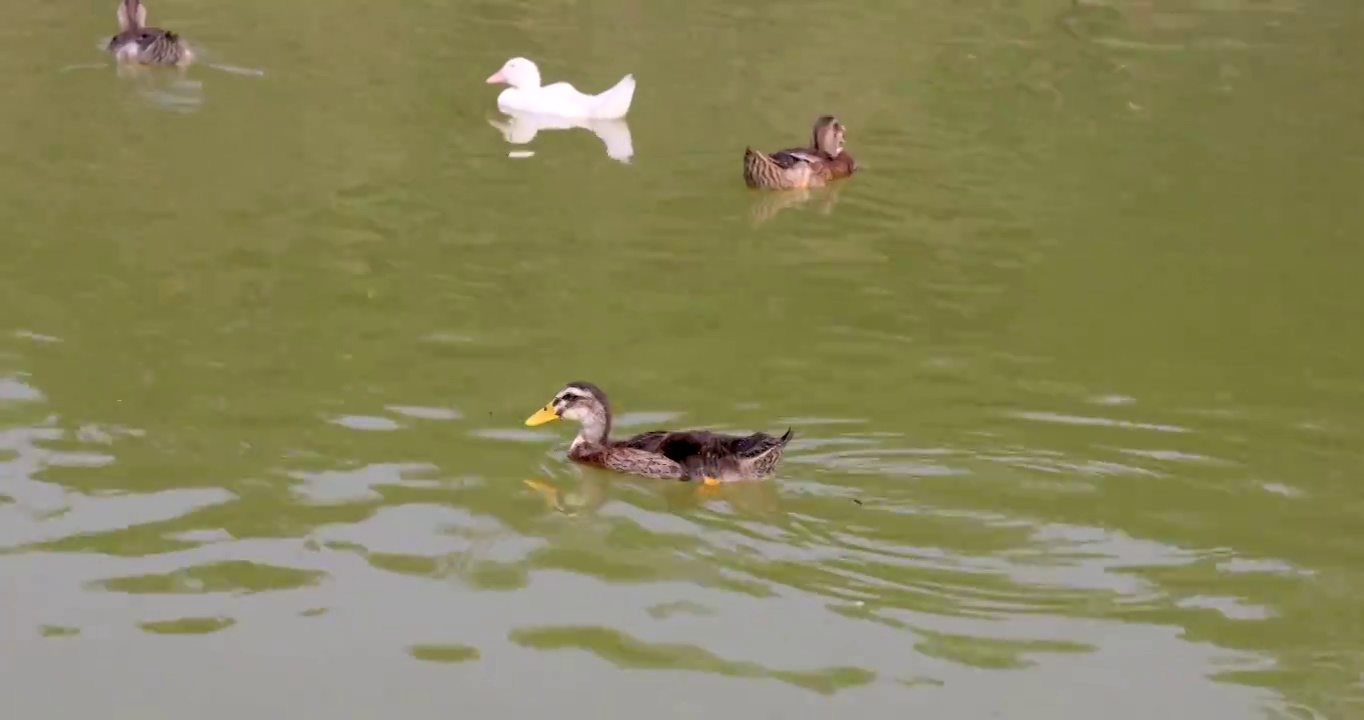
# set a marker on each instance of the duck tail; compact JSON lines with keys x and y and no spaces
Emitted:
{"x":614,"y":102}
{"x":758,"y":167}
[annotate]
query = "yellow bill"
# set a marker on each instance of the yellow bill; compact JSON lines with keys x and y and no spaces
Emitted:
{"x":542,"y":416}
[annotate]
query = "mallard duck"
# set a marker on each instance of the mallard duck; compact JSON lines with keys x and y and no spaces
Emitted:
{"x":137,"y":43}
{"x":812,"y":166}
{"x":673,"y":455}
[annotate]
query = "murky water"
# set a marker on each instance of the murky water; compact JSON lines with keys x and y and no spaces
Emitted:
{"x":1073,"y":365}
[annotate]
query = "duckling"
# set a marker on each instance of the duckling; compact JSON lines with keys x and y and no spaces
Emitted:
{"x":137,"y":43}
{"x":813,"y":166}
{"x":672,"y":455}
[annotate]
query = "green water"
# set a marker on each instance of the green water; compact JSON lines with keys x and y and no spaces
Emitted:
{"x":1073,"y":365}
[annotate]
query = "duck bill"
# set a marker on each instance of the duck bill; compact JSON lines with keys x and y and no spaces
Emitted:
{"x":496,"y":78}
{"x":542,"y":416}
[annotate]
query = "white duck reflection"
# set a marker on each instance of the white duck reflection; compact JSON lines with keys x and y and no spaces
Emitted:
{"x":519,"y":128}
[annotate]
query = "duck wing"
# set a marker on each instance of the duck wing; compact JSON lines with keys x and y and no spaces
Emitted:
{"x":677,"y":446}
{"x":700,"y":453}
{"x":784,"y":169}
{"x":560,"y":99}
{"x":635,"y":461}
{"x":792,"y":157}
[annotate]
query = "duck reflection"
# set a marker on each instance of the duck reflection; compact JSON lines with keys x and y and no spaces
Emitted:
{"x":758,"y":498}
{"x":586,"y":498}
{"x":172,"y":91}
{"x":169,"y":87}
{"x":767,"y":205}
{"x":520,"y":128}
{"x":755,"y":498}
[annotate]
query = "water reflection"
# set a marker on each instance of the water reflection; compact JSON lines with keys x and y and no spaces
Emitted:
{"x":172,"y":88}
{"x":175,"y":93}
{"x":520,"y":128}
{"x":625,"y":651}
{"x":592,"y":490}
{"x":168,"y":88}
{"x":588,"y":497}
{"x":766,"y":205}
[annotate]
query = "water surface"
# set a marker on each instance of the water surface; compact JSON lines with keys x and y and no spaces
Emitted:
{"x":1073,"y":365}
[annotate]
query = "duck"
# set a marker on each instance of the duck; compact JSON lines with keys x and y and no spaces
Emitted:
{"x":137,"y":43}
{"x":685,"y":455}
{"x":561,"y":99}
{"x":814,"y":166}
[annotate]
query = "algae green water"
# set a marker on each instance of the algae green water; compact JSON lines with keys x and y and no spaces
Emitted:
{"x":1073,"y":364}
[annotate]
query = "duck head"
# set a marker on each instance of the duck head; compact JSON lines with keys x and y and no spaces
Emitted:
{"x":828,"y":135}
{"x":131,"y":15}
{"x":583,"y":403}
{"x":517,"y":72}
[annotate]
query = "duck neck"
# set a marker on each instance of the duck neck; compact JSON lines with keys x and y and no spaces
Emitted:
{"x":528,"y":80}
{"x":825,"y":140}
{"x":595,"y":430}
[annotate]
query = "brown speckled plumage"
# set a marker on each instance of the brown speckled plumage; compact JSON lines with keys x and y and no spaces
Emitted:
{"x":137,"y":43}
{"x":666,"y":454}
{"x":824,"y":160}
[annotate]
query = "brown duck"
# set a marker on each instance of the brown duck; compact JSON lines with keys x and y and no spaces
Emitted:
{"x":137,"y":43}
{"x":813,"y":166}
{"x":667,"y":454}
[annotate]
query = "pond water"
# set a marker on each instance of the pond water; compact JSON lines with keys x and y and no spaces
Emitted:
{"x":1073,"y":364}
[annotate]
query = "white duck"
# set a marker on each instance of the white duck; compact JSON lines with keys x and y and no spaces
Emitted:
{"x":561,"y":99}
